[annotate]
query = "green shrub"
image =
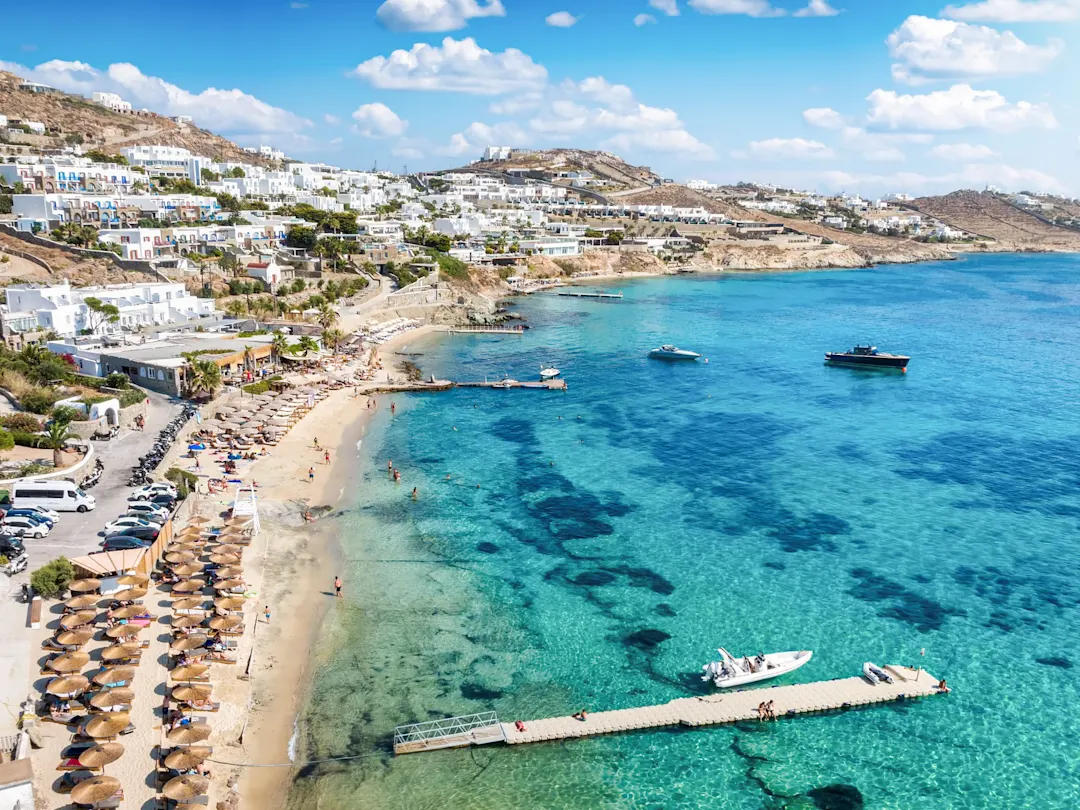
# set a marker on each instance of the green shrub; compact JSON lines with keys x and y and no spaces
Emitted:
{"x":23,"y":422}
{"x":27,"y":439}
{"x":131,"y":396}
{"x":117,"y":380}
{"x":67,"y":414}
{"x":33,"y":468}
{"x":38,"y":400}
{"x":7,"y":441}
{"x":53,"y":578}
{"x":184,"y":480}
{"x":262,"y":386}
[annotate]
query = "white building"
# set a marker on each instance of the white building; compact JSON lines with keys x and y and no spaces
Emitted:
{"x":497,"y":153}
{"x":46,"y":211}
{"x":111,"y":101}
{"x":388,"y":230}
{"x":68,"y":173}
{"x":167,"y":161}
{"x":62,"y":308}
{"x":268,"y":272}
{"x":552,"y":246}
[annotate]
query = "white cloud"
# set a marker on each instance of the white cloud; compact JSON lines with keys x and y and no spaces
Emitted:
{"x":378,"y":121}
{"x":479,"y":135}
{"x":974,"y":175}
{"x":790,"y":148}
{"x":336,"y":141}
{"x":459,"y":66}
{"x":644,"y":19}
{"x":671,"y":141}
{"x":332,"y":120}
{"x":561,"y":19}
{"x":929,"y":49}
{"x":823,"y":117}
{"x":435,"y":15}
{"x":963,"y":152}
{"x":752,"y":8}
{"x":889,"y":154}
{"x":518,"y":103}
{"x":959,"y":107}
{"x":817,"y":8}
{"x":226,"y":111}
{"x":1010,"y":11}
{"x":669,"y":7}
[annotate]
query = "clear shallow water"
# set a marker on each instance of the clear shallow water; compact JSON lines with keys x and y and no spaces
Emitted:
{"x":762,"y":501}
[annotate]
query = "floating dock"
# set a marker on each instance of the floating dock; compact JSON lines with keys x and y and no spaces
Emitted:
{"x":720,"y":708}
{"x":586,"y":294}
{"x":543,"y":385}
{"x":487,"y":330}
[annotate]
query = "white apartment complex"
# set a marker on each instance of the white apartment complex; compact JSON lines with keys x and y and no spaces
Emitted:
{"x":167,"y":161}
{"x":111,"y":101}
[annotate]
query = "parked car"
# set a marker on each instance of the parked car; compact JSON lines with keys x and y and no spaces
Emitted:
{"x":147,"y":533}
{"x":157,"y":488}
{"x":150,"y":511}
{"x":129,"y":522}
{"x":160,"y":498}
{"x":41,"y":510}
{"x":11,"y":547}
{"x":33,"y":514}
{"x":24,"y":526}
{"x":121,"y":543}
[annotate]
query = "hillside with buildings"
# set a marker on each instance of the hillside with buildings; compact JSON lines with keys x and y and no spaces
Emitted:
{"x":1015,"y":223}
{"x":53,"y":120}
{"x":600,"y":171}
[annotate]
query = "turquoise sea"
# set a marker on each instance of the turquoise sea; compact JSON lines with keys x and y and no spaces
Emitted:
{"x":761,"y":501}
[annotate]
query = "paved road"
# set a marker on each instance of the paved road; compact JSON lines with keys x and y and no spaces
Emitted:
{"x":78,"y":534}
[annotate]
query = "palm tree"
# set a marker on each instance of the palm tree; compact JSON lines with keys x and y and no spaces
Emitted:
{"x":278,"y":346}
{"x":202,"y":376}
{"x":332,"y":339}
{"x":327,"y":317}
{"x":56,"y":437}
{"x":236,"y":307}
{"x":306,"y":344}
{"x":249,"y":359}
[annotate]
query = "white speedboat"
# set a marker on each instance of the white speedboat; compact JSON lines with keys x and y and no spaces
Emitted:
{"x":669,"y":352}
{"x":549,"y":373}
{"x":730,"y":671}
{"x":875,"y":674}
{"x":505,"y":383}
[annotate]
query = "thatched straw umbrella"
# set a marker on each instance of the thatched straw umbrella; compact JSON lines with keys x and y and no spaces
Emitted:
{"x":83,"y":601}
{"x":130,"y":594}
{"x":188,"y":602}
{"x":134,"y":579}
{"x":225,"y":559}
{"x":189,"y":586}
{"x":75,"y":637}
{"x":106,"y":725}
{"x":108,"y":698}
{"x":187,"y":643}
{"x":118,"y":652}
{"x":73,"y":620}
{"x":192,"y":692}
{"x":187,"y":569}
{"x":128,"y":612}
{"x":69,"y":662}
{"x":101,"y":755}
{"x":67,"y":685}
{"x":186,"y":787}
{"x":199,"y":519}
{"x":180,"y":622}
{"x":179,"y":557}
{"x":96,"y":789}
{"x":124,"y":631}
{"x":114,"y":675}
{"x":228,"y":584}
{"x":192,"y":733}
{"x":229,"y":602}
{"x":188,"y":672}
{"x":225,"y":622}
{"x":227,"y":571}
{"x":84,"y":585}
{"x":182,"y":759}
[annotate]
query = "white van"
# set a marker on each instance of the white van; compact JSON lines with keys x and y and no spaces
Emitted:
{"x":58,"y":495}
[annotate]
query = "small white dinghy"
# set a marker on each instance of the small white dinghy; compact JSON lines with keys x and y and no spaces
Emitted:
{"x":875,"y":674}
{"x":549,"y":373}
{"x":730,"y":671}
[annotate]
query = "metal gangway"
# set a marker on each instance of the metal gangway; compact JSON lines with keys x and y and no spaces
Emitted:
{"x":450,"y":732}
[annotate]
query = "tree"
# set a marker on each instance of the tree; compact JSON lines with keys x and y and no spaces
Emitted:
{"x":65,"y":414}
{"x":56,"y":437}
{"x":100,"y":313}
{"x":332,"y":339}
{"x":278,"y":346}
{"x":305,"y":344}
{"x":236,"y":307}
{"x":53,"y":578}
{"x":209,"y":175}
{"x":228,"y":262}
{"x":236,"y":171}
{"x":202,"y":376}
{"x":327,"y":317}
{"x":7,"y":441}
{"x":302,"y":237}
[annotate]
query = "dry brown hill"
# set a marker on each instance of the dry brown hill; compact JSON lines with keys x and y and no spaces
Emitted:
{"x":64,"y":115}
{"x":611,"y":168}
{"x":989,"y":215}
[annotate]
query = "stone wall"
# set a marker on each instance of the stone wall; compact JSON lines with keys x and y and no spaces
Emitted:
{"x":135,"y":265}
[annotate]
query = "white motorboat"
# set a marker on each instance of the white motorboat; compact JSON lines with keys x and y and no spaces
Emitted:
{"x":875,"y":674}
{"x":549,"y":373}
{"x":505,"y":383}
{"x":730,"y":671}
{"x":669,"y":352}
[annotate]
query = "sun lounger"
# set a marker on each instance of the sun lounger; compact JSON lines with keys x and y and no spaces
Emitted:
{"x":72,"y":778}
{"x":220,"y":658}
{"x":62,"y":719}
{"x":206,"y":706}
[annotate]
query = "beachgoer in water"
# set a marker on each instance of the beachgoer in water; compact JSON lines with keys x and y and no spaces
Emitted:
{"x":337,"y":586}
{"x":390,"y":465}
{"x":943,"y":687}
{"x":397,"y":475}
{"x":393,"y":407}
{"x":415,"y":494}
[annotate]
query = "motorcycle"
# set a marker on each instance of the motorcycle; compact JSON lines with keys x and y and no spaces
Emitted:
{"x":16,"y":566}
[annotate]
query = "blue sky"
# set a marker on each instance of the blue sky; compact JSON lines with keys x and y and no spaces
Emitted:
{"x":855,"y":95}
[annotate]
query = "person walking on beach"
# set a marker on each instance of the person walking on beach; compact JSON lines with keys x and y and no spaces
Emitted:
{"x":266,"y":613}
{"x":326,"y":457}
{"x":337,"y":586}
{"x":311,"y":475}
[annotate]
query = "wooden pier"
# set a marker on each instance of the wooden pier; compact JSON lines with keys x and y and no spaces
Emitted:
{"x":540,"y":385}
{"x":716,"y":709}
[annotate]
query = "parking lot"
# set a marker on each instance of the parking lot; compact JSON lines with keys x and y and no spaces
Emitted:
{"x":77,"y":534}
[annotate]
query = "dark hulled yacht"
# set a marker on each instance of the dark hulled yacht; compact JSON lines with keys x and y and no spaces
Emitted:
{"x":868,"y":357}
